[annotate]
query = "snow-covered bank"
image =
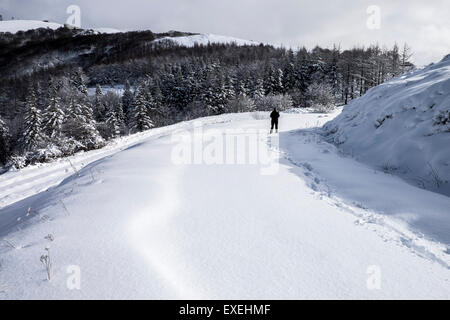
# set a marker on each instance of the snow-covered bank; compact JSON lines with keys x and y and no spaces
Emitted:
{"x":402,"y":127}
{"x":418,"y":219}
{"x":139,"y":226}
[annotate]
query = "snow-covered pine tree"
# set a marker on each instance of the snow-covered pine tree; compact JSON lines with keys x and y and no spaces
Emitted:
{"x":209,"y":98}
{"x":269,"y":79}
{"x":273,"y":83}
{"x":4,"y":142}
{"x":127,"y":101}
{"x":258,"y":90}
{"x":221,"y":94}
{"x":161,"y":113}
{"x":228,"y":89}
{"x":99,"y":106}
{"x":54,"y":115}
{"x":241,"y":87}
{"x":80,"y":124}
{"x":33,"y":135}
{"x":40,"y":97}
{"x":79,"y":80}
{"x":288,"y":76}
{"x":113,"y":123}
{"x":141,"y":119}
{"x":120,"y":116}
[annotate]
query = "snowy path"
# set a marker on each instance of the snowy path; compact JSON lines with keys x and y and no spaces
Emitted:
{"x":141,"y":226}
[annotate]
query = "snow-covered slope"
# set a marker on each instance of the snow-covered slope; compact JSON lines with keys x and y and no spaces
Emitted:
{"x":14,"y":26}
{"x":403,"y":127}
{"x":204,"y":39}
{"x":135,"y":224}
{"x":106,"y":30}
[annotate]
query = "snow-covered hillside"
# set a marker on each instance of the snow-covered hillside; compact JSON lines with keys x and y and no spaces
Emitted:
{"x":14,"y":26}
{"x":402,"y":127}
{"x":137,"y":224}
{"x":204,"y":39}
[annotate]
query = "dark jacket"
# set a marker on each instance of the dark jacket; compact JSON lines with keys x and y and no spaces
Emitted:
{"x":275,"y":115}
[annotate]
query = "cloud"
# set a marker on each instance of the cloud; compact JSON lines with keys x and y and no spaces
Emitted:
{"x":423,"y":25}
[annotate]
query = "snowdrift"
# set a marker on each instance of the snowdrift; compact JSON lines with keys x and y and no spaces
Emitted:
{"x":402,"y":127}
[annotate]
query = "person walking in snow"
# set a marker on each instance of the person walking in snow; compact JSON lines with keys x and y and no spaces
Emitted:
{"x":274,"y":119}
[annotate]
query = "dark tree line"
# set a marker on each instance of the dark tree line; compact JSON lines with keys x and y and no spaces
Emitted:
{"x":49,"y":113}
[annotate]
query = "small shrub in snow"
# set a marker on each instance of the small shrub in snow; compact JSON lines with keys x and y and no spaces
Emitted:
{"x":320,"y":97}
{"x":241,"y":103}
{"x":260,"y":115}
{"x":279,"y":101}
{"x":9,"y":243}
{"x":47,"y":154}
{"x":443,"y":119}
{"x":45,"y":259}
{"x":17,"y":162}
{"x":434,"y":174}
{"x":379,"y":122}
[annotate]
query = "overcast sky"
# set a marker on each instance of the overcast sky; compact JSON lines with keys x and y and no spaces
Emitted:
{"x":424,"y":25}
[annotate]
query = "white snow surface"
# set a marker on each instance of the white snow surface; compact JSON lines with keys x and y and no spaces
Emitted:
{"x":140,"y":226}
{"x":14,"y":26}
{"x":403,"y":127}
{"x":206,"y":38}
{"x":107,"y":30}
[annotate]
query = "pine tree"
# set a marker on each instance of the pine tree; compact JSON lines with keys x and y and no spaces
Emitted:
{"x":258,"y":90}
{"x":113,"y":123}
{"x":33,"y":136}
{"x":141,"y":119}
{"x":120,"y":116}
{"x":78,"y":79}
{"x":212,"y":96}
{"x":228,"y":89}
{"x":54,"y":115}
{"x":288,"y":77}
{"x":80,"y":124}
{"x":161,"y":112}
{"x":99,"y":107}
{"x":127,"y":101}
{"x":4,"y":142}
{"x":40,"y":98}
{"x":273,"y":83}
{"x":241,"y":87}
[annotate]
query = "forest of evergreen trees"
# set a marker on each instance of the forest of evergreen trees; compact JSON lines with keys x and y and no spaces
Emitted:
{"x":47,"y":113}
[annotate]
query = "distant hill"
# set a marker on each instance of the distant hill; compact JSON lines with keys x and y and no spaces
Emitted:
{"x":28,"y":46}
{"x":14,"y":26}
